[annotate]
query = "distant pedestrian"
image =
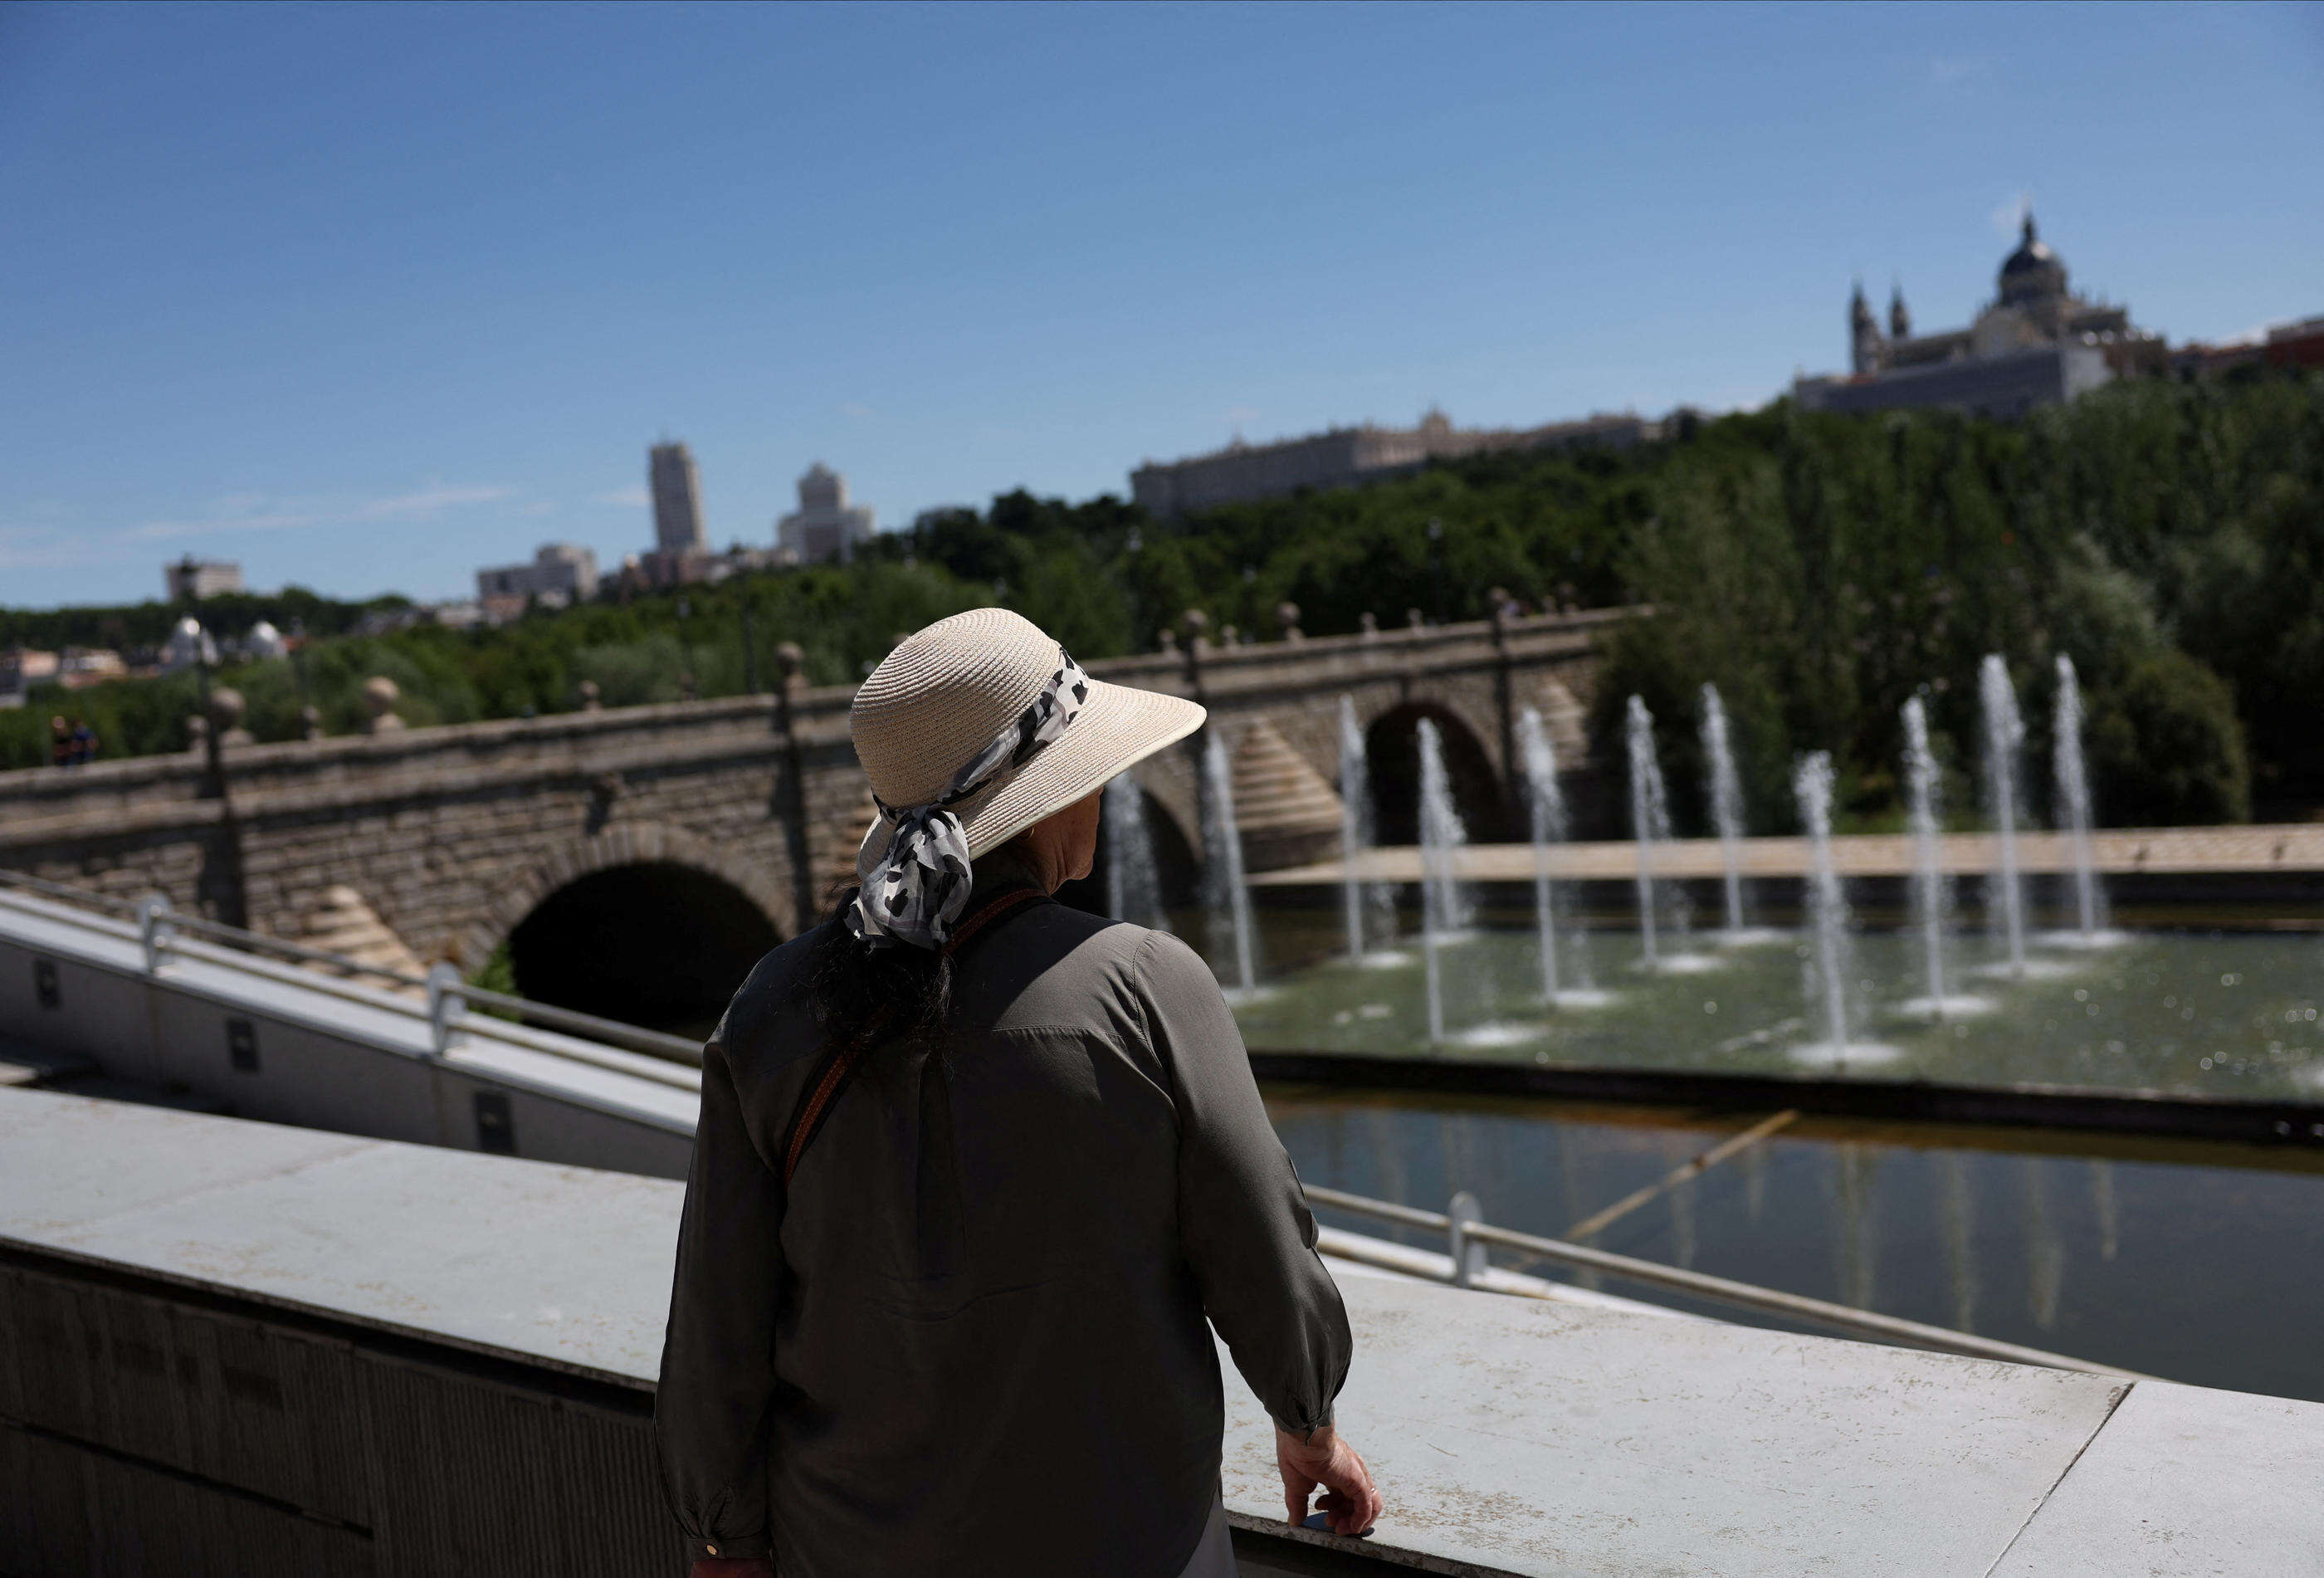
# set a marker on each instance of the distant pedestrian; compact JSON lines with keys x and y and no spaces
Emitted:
{"x":83,"y":742}
{"x":61,"y":743}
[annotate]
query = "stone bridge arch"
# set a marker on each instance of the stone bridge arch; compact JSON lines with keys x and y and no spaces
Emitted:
{"x":1392,"y":757}
{"x":644,"y":923}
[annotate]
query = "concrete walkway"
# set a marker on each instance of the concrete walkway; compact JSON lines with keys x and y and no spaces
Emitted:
{"x":2283,"y":848}
{"x":1511,"y":1436}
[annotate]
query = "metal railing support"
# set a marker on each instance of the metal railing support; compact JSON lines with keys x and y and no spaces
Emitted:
{"x":1469,"y":1260}
{"x":446,"y":996}
{"x":154,"y":929}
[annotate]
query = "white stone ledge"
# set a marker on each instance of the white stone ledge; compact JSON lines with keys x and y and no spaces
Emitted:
{"x":1509,"y":1436}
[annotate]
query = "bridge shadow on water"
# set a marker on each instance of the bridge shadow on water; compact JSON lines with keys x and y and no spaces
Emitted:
{"x":658,"y":944}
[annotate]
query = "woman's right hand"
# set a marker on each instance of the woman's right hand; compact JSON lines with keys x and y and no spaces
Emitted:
{"x":1351,"y":1504}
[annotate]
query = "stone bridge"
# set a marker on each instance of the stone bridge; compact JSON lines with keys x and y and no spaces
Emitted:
{"x":628,"y":858}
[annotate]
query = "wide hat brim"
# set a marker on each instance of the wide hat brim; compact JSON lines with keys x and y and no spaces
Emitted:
{"x":1117,"y":728}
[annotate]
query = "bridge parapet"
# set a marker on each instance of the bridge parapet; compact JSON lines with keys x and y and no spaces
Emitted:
{"x":437,"y":826}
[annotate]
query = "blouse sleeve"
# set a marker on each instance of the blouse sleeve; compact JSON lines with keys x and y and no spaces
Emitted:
{"x":717,"y":1360}
{"x":1243,"y":1222}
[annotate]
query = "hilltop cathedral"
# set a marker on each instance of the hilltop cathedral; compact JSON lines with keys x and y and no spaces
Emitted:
{"x":2036,"y":343}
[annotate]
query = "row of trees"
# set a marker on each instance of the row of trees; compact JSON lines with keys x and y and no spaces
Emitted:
{"x":1819,"y":569}
{"x":650,"y":649}
{"x":2167,"y":538}
{"x":134,"y":626}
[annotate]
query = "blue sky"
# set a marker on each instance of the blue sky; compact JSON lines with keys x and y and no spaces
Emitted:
{"x":367,"y":297}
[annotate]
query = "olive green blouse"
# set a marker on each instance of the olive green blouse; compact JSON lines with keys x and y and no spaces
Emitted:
{"x":973,"y":1339}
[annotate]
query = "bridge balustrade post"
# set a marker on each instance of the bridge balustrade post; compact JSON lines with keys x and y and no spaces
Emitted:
{"x":1505,"y":698}
{"x":1196,"y":621}
{"x":223,"y":709}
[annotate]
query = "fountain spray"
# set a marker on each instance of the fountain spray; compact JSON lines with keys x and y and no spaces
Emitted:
{"x":2005,"y":738}
{"x":1355,"y":824}
{"x":1228,"y":895}
{"x":2074,"y":796}
{"x":1444,"y":906}
{"x":1931,"y":894}
{"x":1133,"y":885}
{"x":1649,"y":817}
{"x":1827,"y":974}
{"x":1726,"y":801}
{"x":1545,"y":808}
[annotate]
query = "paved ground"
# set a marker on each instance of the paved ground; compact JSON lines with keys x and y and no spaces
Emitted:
{"x":1511,"y":1436}
{"x":2295,"y":846}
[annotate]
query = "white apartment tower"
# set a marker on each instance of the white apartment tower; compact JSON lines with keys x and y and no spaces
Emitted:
{"x":825,"y":527}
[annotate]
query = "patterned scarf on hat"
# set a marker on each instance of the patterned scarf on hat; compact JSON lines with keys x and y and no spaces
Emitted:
{"x":921,"y":884}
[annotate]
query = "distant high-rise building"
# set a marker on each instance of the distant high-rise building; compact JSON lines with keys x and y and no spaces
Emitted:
{"x":826,"y":526}
{"x":677,"y":500}
{"x":192,"y":580}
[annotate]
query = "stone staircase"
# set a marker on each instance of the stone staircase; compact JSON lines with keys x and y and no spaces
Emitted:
{"x":1286,"y":811}
{"x":338,"y":921}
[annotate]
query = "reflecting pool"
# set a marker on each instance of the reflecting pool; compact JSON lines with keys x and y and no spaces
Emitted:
{"x":2215,"y":1011}
{"x":2198,"y":1263}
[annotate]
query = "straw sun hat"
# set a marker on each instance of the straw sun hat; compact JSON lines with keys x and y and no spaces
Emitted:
{"x":948,"y":693}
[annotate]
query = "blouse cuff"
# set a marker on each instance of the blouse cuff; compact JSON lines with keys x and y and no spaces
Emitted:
{"x":1306,"y":1432}
{"x":740,"y":1548}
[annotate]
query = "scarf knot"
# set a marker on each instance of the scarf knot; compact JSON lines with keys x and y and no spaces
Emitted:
{"x":921,"y":884}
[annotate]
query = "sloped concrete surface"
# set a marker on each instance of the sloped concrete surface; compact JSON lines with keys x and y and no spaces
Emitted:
{"x":1508,"y":1434}
{"x":569,"y":1266}
{"x":2184,"y":1479}
{"x":1516,"y":1436}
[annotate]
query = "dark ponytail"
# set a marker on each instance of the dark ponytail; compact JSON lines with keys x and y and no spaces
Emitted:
{"x":860,"y":994}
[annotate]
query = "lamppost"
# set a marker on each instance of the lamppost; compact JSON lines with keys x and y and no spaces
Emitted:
{"x":1133,"y":544}
{"x":1436,"y":563}
{"x":749,"y":648}
{"x":310,"y":720}
{"x":211,"y":757}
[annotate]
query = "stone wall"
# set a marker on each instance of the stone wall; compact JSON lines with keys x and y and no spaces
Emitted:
{"x":453,"y":835}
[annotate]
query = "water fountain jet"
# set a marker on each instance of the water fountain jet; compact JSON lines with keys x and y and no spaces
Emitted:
{"x":1546,"y":816}
{"x":1226,"y":893}
{"x":1354,"y":771}
{"x":1726,"y":802}
{"x":2073,"y":784}
{"x":1827,"y":972}
{"x":1443,"y":905}
{"x":1650,"y":825}
{"x":1133,"y":884}
{"x":1931,"y":889}
{"x":2005,"y":738}
{"x":1368,"y":909}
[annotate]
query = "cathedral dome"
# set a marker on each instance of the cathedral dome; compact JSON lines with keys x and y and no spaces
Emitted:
{"x":2032,"y":270}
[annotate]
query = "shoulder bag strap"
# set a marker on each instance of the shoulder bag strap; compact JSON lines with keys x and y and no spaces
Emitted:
{"x":830,"y":1079}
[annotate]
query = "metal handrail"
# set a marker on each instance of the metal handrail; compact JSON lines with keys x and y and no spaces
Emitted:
{"x":1462,"y":1233}
{"x":652,"y":1043}
{"x":157,"y":922}
{"x":612,"y":1059}
{"x":259,"y":942}
{"x":63,"y":891}
{"x":453,"y":1021}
